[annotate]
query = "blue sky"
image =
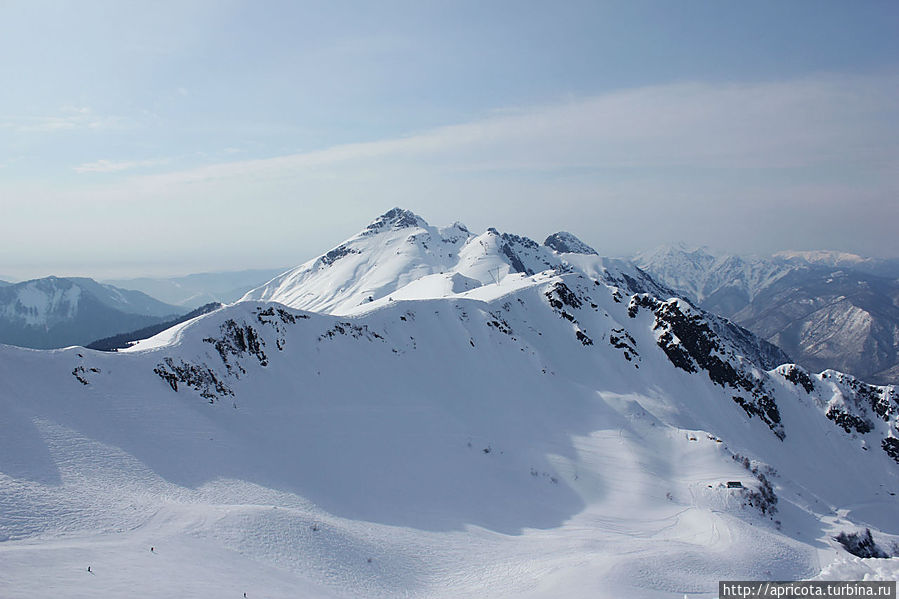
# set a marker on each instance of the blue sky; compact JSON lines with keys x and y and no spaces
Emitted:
{"x":163,"y":138}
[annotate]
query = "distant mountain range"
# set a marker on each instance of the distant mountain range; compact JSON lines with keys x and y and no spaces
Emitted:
{"x":882,"y":267}
{"x":58,"y":312}
{"x":825,"y":309}
{"x":192,"y":291}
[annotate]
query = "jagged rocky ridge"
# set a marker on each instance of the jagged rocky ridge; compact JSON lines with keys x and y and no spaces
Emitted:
{"x":687,"y":337}
{"x":566,"y":243}
{"x":870,"y":412}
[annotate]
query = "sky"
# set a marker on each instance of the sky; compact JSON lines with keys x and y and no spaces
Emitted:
{"x":163,"y":138}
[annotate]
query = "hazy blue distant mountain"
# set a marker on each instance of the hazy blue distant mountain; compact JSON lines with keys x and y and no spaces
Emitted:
{"x":195,"y":290}
{"x":882,"y":267}
{"x":58,"y":312}
{"x":825,"y":309}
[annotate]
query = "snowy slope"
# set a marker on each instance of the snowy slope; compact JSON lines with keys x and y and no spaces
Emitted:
{"x":401,"y":257}
{"x":396,"y":249}
{"x":401,"y":253}
{"x":553,"y":434}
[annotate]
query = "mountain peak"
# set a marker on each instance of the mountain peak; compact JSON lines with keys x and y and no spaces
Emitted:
{"x":566,"y":243}
{"x":395,"y":218}
{"x":681,"y":247}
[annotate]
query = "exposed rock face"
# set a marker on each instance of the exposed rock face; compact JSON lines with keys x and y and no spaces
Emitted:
{"x":396,"y":218}
{"x":566,"y":243}
{"x":858,"y":408}
{"x":234,"y":343}
{"x":688,"y":339}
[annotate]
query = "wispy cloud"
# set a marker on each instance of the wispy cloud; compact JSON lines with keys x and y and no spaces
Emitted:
{"x":795,"y":124}
{"x":67,"y":119}
{"x":751,"y":167}
{"x":112,"y":166}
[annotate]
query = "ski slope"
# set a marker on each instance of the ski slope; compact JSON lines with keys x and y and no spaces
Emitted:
{"x":452,"y":437}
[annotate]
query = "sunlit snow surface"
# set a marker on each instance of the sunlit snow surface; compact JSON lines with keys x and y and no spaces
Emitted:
{"x":456,"y":439}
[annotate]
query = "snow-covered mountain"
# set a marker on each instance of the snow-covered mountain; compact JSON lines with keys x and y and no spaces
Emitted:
{"x":400,"y":256}
{"x":882,"y":267}
{"x":832,"y":319}
{"x":825,"y":309}
{"x":57,"y":312}
{"x":721,"y":283}
{"x":193,"y":291}
{"x":823,"y":258}
{"x":480,"y":428}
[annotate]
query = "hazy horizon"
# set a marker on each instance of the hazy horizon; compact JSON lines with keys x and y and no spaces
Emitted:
{"x":134,"y":271}
{"x":175,"y":138}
